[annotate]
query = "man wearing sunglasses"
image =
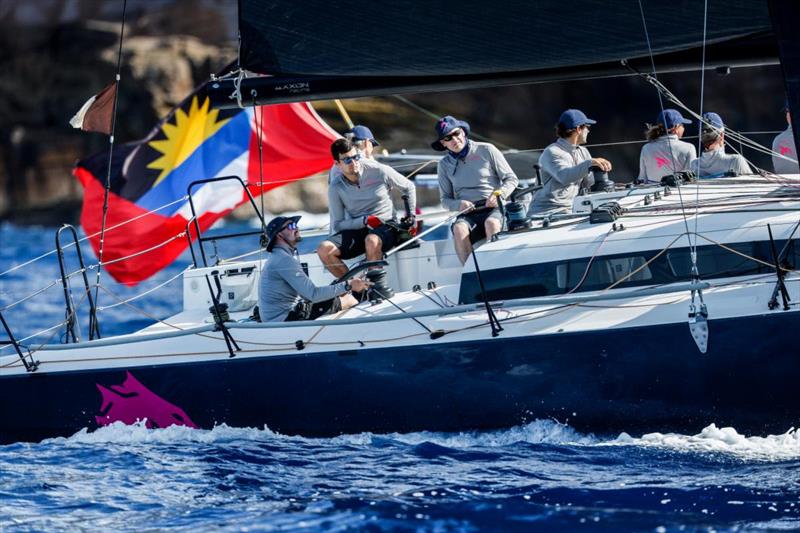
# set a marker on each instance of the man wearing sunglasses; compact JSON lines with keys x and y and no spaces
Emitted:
{"x":364,"y":141}
{"x":566,"y":165}
{"x":471,"y":177}
{"x":285,"y":291}
{"x":362,"y":212}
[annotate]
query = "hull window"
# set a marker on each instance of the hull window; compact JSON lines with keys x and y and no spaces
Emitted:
{"x":630,"y":270}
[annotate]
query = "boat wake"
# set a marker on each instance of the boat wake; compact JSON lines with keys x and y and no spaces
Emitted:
{"x":711,"y":440}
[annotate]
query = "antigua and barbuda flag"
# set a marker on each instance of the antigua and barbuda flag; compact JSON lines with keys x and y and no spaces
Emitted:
{"x":149,"y":178}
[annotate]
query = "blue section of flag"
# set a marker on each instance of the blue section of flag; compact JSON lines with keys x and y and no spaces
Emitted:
{"x":216,"y":152}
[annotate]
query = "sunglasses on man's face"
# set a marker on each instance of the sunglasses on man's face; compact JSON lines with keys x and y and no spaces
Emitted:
{"x":350,"y":159}
{"x":291,"y":225}
{"x":452,"y":135}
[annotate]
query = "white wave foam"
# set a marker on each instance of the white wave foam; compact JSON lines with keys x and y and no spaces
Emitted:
{"x":722,"y":440}
{"x":537,"y":432}
{"x":710,"y":440}
{"x":120,"y":433}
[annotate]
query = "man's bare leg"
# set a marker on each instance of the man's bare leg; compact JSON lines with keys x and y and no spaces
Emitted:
{"x":461,"y":241}
{"x":330,"y":255}
{"x":373,"y":245}
{"x":492,"y":226}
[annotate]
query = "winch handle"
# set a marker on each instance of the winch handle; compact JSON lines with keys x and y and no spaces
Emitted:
{"x":538,"y":170}
{"x":407,"y":205}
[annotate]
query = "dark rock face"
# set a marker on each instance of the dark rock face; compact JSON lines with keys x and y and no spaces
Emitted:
{"x":57,"y":54}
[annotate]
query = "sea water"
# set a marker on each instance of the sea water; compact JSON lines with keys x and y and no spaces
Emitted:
{"x":542,"y":476}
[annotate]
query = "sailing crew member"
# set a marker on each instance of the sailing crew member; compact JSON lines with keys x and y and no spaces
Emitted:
{"x":566,"y":165}
{"x":362,"y":213}
{"x":363,"y":139}
{"x":784,"y":145}
{"x":665,"y":153}
{"x":285,"y":289}
{"x":365,"y":143}
{"x":472,"y":176}
{"x":714,"y":161}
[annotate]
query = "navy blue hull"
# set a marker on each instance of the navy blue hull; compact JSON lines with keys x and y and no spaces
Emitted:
{"x":634,"y":380}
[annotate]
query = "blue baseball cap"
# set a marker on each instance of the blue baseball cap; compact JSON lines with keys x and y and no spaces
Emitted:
{"x":572,"y":118}
{"x":712,"y":120}
{"x":671,"y":118}
{"x":362,"y":133}
{"x":444,"y":126}
{"x":274,"y":227}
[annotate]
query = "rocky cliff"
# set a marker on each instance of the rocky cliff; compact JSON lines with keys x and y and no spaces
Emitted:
{"x":57,"y":53}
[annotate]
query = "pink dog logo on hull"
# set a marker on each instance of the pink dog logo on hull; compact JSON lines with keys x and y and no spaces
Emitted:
{"x":131,"y":402}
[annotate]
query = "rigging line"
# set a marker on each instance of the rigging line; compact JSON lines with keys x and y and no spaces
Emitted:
{"x":142,"y":252}
{"x":661,"y":104}
{"x":734,"y":135}
{"x":700,"y":137}
{"x":145,"y":293}
{"x":434,"y":116}
{"x":591,"y":260}
{"x":38,"y":333}
{"x":111,"y":148}
{"x":28,"y":297}
{"x":259,"y":132}
{"x":69,"y":245}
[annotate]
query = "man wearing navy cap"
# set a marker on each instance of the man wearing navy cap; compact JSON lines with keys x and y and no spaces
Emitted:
{"x":285,"y":288}
{"x":471,"y":173}
{"x":714,"y":162}
{"x":666,"y":153}
{"x":784,"y":158}
{"x":362,"y":213}
{"x":565,"y":165}
{"x":364,"y":141}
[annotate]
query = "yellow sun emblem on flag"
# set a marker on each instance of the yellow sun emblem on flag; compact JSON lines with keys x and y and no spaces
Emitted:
{"x":184,"y":136}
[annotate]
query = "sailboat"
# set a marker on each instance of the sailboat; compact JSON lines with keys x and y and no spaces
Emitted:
{"x":659,"y":307}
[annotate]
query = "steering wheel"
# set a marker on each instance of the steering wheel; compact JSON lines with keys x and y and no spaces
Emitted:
{"x":359,"y":268}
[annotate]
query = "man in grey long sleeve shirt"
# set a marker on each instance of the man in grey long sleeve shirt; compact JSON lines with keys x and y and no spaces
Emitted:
{"x":565,"y":165}
{"x":471,"y":173}
{"x":714,"y":162}
{"x":784,"y":158}
{"x":362,"y":212}
{"x":284,"y":285}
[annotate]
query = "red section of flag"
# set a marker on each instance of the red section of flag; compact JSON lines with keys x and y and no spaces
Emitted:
{"x":131,"y":240}
{"x":296,"y":144}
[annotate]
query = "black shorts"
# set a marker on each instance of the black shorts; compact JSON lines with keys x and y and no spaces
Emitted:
{"x":476,"y":221}
{"x":311,"y":311}
{"x":350,"y":242}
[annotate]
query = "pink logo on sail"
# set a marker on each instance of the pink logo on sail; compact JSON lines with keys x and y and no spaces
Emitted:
{"x":785,"y":149}
{"x":660,"y":161}
{"x":131,"y":402}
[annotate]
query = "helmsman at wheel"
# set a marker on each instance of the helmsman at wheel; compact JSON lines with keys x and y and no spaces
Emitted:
{"x":285,"y":290}
{"x":471,"y":173}
{"x":362,"y":212}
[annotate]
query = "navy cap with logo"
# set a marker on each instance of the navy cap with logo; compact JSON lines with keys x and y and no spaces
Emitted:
{"x":712,"y":120}
{"x":443,"y":127}
{"x":671,"y":118}
{"x":572,"y":118}
{"x":274,"y":227}
{"x":362,"y":133}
